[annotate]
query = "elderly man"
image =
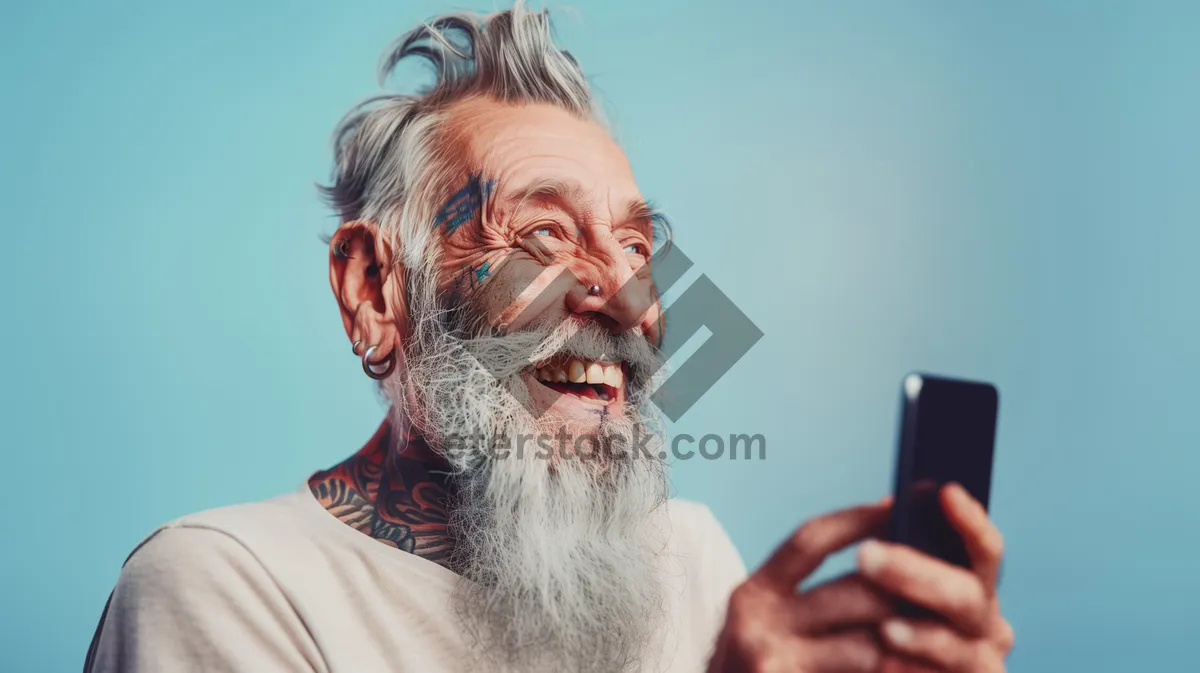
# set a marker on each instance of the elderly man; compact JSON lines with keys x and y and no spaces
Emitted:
{"x":492,"y":273}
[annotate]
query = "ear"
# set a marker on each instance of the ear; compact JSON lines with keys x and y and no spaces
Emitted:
{"x":368,"y":283}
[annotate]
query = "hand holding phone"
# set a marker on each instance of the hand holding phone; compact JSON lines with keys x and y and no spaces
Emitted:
{"x":947,"y":434}
{"x":941,"y":568}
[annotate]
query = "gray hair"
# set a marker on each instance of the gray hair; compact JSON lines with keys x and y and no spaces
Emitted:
{"x":393,"y":155}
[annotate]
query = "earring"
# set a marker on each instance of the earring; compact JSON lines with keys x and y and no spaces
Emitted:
{"x":371,"y":368}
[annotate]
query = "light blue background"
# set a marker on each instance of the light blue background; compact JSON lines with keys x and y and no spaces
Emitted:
{"x":996,"y":190}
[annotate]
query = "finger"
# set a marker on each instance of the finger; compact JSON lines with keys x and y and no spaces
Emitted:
{"x":848,"y":601}
{"x":807,"y":548}
{"x":939,"y":645}
{"x":1002,"y":635}
{"x":845,"y":652}
{"x":955,"y":593}
{"x":780,"y":657}
{"x":984,"y":543}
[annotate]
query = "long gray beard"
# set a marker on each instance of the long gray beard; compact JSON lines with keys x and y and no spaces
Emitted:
{"x":561,"y":564}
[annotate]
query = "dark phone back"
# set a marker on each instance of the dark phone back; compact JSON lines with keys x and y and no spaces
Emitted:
{"x":947,"y":434}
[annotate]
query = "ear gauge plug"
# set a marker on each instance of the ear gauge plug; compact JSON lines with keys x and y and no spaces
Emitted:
{"x":378,"y":370}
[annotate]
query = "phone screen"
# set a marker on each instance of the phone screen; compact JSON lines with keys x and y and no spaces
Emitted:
{"x":947,"y":434}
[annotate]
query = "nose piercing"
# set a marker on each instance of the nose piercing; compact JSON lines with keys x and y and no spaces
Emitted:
{"x":594,"y":290}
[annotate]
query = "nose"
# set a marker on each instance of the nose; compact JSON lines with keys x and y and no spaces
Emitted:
{"x":610,"y":291}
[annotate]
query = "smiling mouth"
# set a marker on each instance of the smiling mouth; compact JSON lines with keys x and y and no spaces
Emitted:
{"x":600,"y":382}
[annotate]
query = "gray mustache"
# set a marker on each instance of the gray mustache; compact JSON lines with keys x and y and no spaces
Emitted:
{"x":505,"y":355}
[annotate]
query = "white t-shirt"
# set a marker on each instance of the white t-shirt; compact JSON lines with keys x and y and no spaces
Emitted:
{"x":282,"y":585}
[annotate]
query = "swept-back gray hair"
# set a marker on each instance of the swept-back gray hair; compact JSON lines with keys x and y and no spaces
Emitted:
{"x":394,"y":157}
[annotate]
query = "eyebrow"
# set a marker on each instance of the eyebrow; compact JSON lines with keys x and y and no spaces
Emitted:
{"x":568,"y":195}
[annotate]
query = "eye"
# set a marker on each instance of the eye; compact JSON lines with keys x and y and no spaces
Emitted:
{"x":543,"y":228}
{"x":636,"y":249}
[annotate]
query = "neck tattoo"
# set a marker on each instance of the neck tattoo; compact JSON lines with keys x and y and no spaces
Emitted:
{"x":397,"y":492}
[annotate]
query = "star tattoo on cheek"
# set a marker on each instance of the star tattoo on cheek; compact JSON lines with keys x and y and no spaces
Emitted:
{"x":473,"y":276}
{"x":481,"y":273}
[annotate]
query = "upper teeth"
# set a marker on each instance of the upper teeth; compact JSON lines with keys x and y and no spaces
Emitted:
{"x":581,"y":371}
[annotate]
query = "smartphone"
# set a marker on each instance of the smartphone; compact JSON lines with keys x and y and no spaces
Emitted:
{"x":947,"y":434}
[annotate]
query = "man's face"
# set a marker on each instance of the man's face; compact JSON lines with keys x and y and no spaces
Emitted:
{"x":560,"y":212}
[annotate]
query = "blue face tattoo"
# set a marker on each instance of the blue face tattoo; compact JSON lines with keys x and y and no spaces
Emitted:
{"x":464,"y":204}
